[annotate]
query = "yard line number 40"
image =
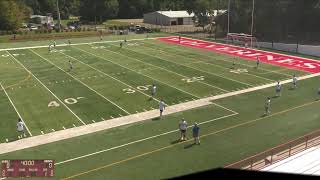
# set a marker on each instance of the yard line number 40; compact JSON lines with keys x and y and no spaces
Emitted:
{"x":141,"y":88}
{"x":69,"y":101}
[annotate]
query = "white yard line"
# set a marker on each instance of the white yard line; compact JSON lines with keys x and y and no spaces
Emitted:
{"x":191,"y":67}
{"x":116,"y":122}
{"x":176,"y":47}
{"x":81,"y":82}
{"x":77,"y":44}
{"x":47,"y":88}
{"x":109,"y":76}
{"x":135,"y":59}
{"x":140,"y":140}
{"x":136,"y":72}
{"x":16,"y":109}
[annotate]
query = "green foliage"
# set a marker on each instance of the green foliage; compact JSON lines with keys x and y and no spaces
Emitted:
{"x":98,"y":10}
{"x":12,"y":14}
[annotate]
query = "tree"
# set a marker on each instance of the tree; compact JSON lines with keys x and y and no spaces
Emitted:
{"x":98,"y":10}
{"x":12,"y":14}
{"x":202,"y":9}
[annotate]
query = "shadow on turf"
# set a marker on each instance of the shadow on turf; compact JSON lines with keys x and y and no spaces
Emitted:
{"x":156,"y":119}
{"x":176,"y":141}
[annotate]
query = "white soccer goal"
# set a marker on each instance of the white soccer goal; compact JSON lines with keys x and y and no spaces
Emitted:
{"x":242,"y":39}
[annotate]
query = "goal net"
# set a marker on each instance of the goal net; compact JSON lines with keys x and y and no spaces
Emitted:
{"x":245,"y":40}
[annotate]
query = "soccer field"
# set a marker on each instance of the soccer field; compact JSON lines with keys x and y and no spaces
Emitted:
{"x":107,"y":82}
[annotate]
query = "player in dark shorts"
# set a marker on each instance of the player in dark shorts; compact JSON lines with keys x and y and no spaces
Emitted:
{"x":121,"y":44}
{"x":195,"y":133}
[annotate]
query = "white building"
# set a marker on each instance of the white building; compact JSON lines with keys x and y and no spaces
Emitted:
{"x":42,"y":19}
{"x":168,"y":18}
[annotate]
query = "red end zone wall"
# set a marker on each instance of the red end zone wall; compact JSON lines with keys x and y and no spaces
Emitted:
{"x":292,"y":62}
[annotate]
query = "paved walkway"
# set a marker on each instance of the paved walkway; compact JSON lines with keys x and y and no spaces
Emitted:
{"x":111,"y":123}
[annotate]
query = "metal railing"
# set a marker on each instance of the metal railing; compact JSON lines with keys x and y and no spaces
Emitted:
{"x":278,"y":153}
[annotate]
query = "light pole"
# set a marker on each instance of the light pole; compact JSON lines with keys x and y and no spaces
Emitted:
{"x":228,"y":16}
{"x":59,"y":19}
{"x":252,"y":17}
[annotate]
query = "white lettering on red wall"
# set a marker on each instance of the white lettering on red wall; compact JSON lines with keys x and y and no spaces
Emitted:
{"x":292,"y":62}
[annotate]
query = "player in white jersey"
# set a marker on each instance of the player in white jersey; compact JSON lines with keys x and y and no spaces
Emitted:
{"x":20,"y":129}
{"x":162,"y":107}
{"x":54,"y":43}
{"x":278,"y":89}
{"x":153,"y":90}
{"x":50,"y":48}
{"x":268,"y":106}
{"x":183,"y":125}
{"x":294,"y":81}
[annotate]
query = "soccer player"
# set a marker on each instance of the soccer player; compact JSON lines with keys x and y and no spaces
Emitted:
{"x":195,"y":133}
{"x":294,"y":81}
{"x":179,"y":39}
{"x":100,"y":37}
{"x":70,"y":65}
{"x":54,"y":43}
{"x":183,"y":125}
{"x":278,"y":89}
{"x":267,"y":106}
{"x":233,"y":65}
{"x":258,"y":62}
{"x":162,"y":106}
{"x":153,"y":90}
{"x":121,"y":44}
{"x":50,"y":48}
{"x":20,"y":128}
{"x":69,"y":41}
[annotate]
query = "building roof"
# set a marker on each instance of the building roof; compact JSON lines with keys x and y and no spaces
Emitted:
{"x":176,"y":14}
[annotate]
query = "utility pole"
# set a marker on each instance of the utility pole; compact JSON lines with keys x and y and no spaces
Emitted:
{"x":252,"y":17}
{"x":59,"y":19}
{"x":228,"y":16}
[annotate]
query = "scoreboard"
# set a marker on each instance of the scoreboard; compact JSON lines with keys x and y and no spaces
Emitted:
{"x":27,"y":168}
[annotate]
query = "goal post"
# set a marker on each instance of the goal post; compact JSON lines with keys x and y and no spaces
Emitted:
{"x":245,"y":40}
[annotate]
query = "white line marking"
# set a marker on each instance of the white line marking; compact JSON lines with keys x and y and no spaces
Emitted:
{"x":137,"y":141}
{"x":15,"y":109}
{"x":47,"y":88}
{"x":78,"y":44}
{"x":107,"y":75}
{"x":81,"y":82}
{"x":203,"y":62}
{"x":176,"y":47}
{"x":97,"y":127}
{"x":136,"y":71}
{"x":140,"y":52}
{"x":162,"y":67}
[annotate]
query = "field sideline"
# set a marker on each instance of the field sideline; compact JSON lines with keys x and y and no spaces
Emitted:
{"x":108,"y":92}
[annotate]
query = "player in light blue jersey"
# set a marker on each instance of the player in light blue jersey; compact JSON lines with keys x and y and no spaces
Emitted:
{"x":278,"y":89}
